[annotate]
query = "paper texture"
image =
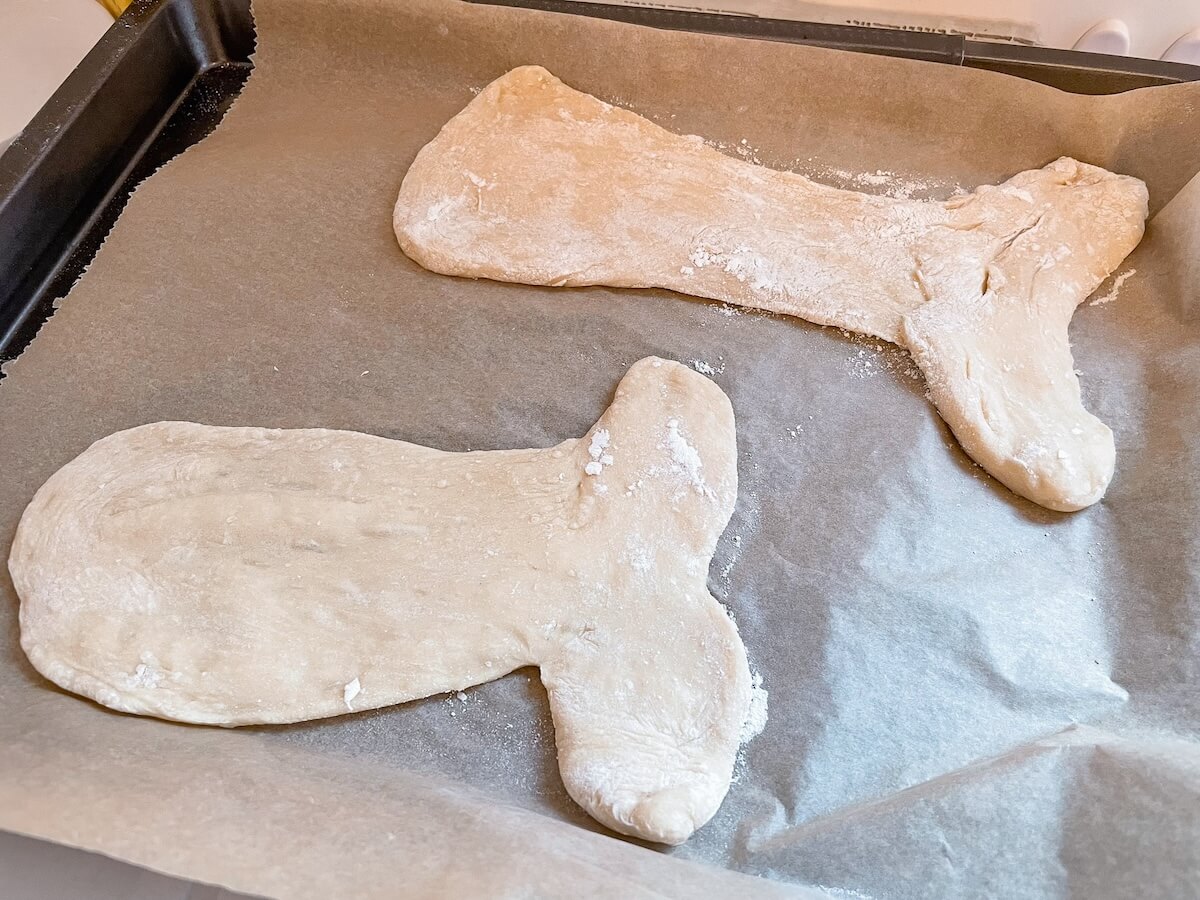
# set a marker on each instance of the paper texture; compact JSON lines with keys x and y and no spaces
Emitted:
{"x":969,"y":695}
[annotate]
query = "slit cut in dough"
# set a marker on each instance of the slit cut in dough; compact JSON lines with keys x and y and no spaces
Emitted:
{"x":535,"y":182}
{"x":233,"y":576}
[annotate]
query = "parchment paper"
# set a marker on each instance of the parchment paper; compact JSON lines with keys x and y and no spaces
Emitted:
{"x":969,"y":695}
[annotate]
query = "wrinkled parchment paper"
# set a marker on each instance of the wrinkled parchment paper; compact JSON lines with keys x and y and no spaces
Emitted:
{"x":969,"y":695}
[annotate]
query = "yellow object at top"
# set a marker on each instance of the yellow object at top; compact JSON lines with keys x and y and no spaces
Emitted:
{"x":116,"y":7}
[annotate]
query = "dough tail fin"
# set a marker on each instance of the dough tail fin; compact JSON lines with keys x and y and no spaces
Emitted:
{"x":647,"y":720}
{"x":998,"y":362}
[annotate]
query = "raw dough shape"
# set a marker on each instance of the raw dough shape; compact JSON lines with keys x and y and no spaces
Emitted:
{"x":232,"y":576}
{"x":538,"y":183}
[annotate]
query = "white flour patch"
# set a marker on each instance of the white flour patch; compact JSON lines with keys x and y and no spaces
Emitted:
{"x":1113,"y":292}
{"x":686,"y":459}
{"x":599,"y":443}
{"x":746,"y":265}
{"x":639,"y":554}
{"x":436,"y":209}
{"x":743,"y":263}
{"x":702,"y":257}
{"x":350,"y":691}
{"x":599,"y":459}
{"x":145,"y":676}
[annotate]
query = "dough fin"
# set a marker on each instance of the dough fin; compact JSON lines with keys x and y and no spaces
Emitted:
{"x":641,"y":772}
{"x":646,"y":751}
{"x":996,"y":354}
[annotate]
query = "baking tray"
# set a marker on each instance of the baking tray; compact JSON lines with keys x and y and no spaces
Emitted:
{"x":158,"y":81}
{"x":163,"y":76}
{"x":1069,"y":70}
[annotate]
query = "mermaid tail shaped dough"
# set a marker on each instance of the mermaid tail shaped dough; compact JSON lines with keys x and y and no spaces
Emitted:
{"x":233,"y":576}
{"x":537,"y":183}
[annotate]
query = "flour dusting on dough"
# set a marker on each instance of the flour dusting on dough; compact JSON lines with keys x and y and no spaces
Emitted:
{"x":639,"y":554}
{"x":686,"y":458}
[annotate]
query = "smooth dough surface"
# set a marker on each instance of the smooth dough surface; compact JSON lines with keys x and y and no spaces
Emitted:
{"x":538,"y":183}
{"x":232,"y":576}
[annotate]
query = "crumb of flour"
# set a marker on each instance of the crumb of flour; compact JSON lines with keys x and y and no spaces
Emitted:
{"x":708,"y":369}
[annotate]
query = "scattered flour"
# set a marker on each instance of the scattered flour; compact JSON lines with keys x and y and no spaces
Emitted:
{"x":1114,"y":291}
{"x":893,"y":184}
{"x":872,"y":356}
{"x":756,"y":715}
{"x":460,"y":698}
{"x":706,"y":369}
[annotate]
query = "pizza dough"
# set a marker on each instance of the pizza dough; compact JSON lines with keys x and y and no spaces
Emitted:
{"x":538,"y":183}
{"x":231,"y":576}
